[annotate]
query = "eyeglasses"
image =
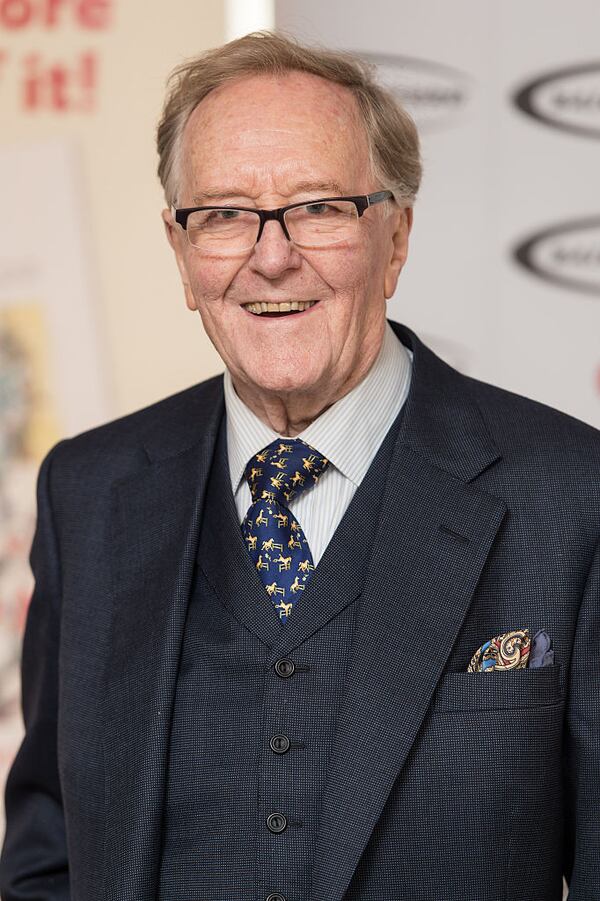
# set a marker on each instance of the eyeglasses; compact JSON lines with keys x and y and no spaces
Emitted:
{"x":318,"y":223}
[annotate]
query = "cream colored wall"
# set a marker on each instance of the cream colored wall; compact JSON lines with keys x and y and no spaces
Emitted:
{"x":153,"y":344}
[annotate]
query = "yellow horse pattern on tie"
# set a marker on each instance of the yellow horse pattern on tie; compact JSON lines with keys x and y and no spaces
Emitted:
{"x":274,"y":538}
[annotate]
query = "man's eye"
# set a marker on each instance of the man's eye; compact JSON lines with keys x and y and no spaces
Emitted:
{"x":319,"y":209}
{"x":225,"y":215}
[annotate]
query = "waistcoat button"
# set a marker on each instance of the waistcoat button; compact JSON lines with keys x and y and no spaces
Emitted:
{"x":280,"y":744}
{"x":276,"y":822}
{"x":285,"y":667}
{"x":275,"y":897}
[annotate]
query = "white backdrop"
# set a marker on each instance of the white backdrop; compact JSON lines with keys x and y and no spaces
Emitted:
{"x":497,"y":176}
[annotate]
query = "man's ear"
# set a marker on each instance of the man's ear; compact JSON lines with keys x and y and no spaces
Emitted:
{"x":178,"y":242}
{"x":399,"y":250}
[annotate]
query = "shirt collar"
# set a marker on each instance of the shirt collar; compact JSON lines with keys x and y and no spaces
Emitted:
{"x":348,"y":433}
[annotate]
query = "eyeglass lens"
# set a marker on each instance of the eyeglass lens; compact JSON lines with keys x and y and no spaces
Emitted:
{"x":311,"y":225}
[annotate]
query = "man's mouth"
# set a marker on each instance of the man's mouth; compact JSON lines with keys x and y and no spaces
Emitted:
{"x":286,"y":308}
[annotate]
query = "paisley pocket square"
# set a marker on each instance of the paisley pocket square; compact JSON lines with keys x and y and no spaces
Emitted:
{"x":513,"y":650}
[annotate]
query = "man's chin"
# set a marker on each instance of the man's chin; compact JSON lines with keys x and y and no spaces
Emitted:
{"x":301,"y":382}
{"x":287,"y":387}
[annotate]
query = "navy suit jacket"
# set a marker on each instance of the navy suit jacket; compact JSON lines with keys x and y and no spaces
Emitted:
{"x":490,"y":521}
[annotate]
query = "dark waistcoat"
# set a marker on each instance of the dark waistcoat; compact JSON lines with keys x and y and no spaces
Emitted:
{"x":256,"y":706}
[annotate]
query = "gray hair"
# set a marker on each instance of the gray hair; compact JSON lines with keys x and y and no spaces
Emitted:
{"x":391,"y":133}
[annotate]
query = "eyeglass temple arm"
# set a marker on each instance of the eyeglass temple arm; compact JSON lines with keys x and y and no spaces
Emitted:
{"x":379,"y":196}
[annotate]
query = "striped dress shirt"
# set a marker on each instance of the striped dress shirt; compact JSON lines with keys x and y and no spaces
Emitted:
{"x":348,"y":433}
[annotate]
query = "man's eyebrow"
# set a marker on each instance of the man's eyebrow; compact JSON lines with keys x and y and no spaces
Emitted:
{"x":305,"y":187}
{"x":330,"y":187}
{"x":216,"y":195}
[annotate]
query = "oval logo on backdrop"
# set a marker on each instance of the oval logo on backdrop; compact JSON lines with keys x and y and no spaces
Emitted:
{"x":434,"y":94}
{"x":568,"y":99}
{"x":566,"y":254}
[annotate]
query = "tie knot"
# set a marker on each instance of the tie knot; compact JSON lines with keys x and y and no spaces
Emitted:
{"x":283,"y":470}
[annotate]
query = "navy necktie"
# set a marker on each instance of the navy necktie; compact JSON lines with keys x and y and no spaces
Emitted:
{"x":274,"y":538}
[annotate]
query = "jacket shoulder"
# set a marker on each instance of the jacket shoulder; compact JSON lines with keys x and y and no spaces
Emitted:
{"x":159,"y":429}
{"x":518,"y":422}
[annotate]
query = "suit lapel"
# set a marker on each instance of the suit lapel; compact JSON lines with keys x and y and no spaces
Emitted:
{"x":435,"y":533}
{"x":156,"y":516}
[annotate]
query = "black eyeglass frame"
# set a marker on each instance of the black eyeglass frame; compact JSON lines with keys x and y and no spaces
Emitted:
{"x":361,"y":201}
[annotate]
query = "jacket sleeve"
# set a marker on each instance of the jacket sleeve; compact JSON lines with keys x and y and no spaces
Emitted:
{"x":582,"y":749}
{"x":34,"y":863}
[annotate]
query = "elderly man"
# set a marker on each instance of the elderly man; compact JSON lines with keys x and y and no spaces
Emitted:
{"x":328,"y":627}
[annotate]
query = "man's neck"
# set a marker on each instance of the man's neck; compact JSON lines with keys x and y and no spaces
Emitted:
{"x":291,"y":413}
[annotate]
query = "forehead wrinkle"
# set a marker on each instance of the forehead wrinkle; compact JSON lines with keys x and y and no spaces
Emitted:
{"x":237,"y":106}
{"x":232,"y":117}
{"x":330,"y":188}
{"x":287,"y":178}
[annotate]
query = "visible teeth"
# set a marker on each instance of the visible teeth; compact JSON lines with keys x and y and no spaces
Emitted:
{"x":259,"y":307}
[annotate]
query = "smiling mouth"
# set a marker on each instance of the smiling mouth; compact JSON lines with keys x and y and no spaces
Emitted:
{"x":286,"y":308}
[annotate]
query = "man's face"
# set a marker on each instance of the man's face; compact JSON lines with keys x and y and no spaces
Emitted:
{"x":269,"y":141}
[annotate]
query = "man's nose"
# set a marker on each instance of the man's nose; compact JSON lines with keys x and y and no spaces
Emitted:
{"x":273,"y":254}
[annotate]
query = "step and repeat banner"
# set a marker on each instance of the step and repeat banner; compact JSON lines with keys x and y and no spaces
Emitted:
{"x":503,"y":279}
{"x":92,"y":318}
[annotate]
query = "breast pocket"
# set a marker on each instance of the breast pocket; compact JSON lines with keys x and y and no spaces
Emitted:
{"x":498,"y":690}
